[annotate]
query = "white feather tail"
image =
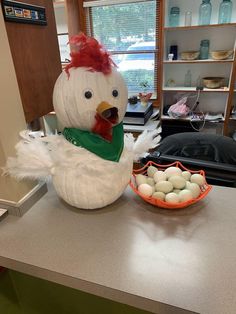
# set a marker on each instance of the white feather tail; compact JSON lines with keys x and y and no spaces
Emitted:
{"x":146,"y":141}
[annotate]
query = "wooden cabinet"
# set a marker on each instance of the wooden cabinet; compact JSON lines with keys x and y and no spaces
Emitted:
{"x":36,"y":59}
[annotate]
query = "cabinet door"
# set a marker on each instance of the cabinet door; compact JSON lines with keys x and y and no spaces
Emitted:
{"x":36,"y":58}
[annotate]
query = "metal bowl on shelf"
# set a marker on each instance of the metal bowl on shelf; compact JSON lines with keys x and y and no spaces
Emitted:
{"x":213,"y":82}
{"x":189,"y":55}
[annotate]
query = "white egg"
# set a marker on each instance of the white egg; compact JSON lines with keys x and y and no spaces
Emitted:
{"x":176,"y":191}
{"x":186,"y":175}
{"x":185,"y":195}
{"x":173,"y":171}
{"x":140,"y":179}
{"x":160,"y":176}
{"x":194,"y":188}
{"x":150,"y":181}
{"x":164,"y":186}
{"x":177,"y":181}
{"x":151,"y":170}
{"x":159,"y":195}
{"x":145,"y":189}
{"x":198,"y":178}
{"x":187,"y":185}
{"x":172,"y":198}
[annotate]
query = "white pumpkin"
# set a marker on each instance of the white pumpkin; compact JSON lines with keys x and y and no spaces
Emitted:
{"x":73,"y":109}
{"x":90,"y":181}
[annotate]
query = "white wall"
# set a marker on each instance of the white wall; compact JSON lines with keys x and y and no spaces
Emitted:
{"x":62,"y":27}
{"x":11,"y":119}
{"x":61,"y":18}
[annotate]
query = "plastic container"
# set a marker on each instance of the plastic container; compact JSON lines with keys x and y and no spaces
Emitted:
{"x":188,"y":79}
{"x":174,"y":17}
{"x":225,"y":11}
{"x":158,"y":203}
{"x":204,"y":49}
{"x":188,"y":18}
{"x":205,"y":12}
{"x":170,"y":56}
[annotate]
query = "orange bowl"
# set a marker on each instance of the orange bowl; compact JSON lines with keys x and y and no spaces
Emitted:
{"x":159,"y":203}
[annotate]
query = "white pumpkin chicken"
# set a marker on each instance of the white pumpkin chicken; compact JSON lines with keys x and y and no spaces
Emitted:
{"x":91,"y":164}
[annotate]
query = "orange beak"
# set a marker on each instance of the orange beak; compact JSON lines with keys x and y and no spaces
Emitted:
{"x":107,"y":112}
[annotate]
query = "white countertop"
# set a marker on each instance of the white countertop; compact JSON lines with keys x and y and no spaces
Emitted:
{"x":132,"y":253}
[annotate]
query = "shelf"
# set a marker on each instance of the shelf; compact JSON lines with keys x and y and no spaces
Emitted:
{"x":164,"y":117}
{"x":150,"y":126}
{"x":193,"y":89}
{"x":198,"y":27}
{"x":197,"y":61}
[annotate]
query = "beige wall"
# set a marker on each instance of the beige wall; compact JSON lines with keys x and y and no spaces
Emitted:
{"x":11,"y":118}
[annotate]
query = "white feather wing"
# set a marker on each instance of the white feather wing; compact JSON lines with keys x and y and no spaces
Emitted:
{"x":146,"y":141}
{"x":37,"y":157}
{"x":32,"y":160}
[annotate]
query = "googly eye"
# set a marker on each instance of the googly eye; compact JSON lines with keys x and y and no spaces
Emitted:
{"x":115,"y":93}
{"x":88,"y":94}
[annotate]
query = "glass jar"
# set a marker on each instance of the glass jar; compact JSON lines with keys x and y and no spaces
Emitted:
{"x":188,"y":18}
{"x":204,"y":49}
{"x":188,"y":79}
{"x":225,"y":11}
{"x":174,"y":17}
{"x":205,"y":12}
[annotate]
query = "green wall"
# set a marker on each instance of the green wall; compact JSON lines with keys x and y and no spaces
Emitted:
{"x":23,"y":294}
{"x":8,"y":300}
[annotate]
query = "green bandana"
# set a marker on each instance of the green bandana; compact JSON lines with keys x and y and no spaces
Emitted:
{"x":96,"y":144}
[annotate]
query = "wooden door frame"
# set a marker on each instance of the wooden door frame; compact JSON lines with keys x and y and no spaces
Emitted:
{"x":230,"y":96}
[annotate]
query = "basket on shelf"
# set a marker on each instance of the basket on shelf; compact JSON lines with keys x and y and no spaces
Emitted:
{"x":159,"y":203}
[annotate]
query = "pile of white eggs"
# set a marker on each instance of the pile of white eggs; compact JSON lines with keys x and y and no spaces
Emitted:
{"x":171,"y":185}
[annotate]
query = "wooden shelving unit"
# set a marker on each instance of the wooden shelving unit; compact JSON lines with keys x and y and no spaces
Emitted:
{"x":188,"y":38}
{"x":228,"y":109}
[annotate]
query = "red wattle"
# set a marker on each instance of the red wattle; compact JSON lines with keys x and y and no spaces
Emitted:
{"x":103,"y":128}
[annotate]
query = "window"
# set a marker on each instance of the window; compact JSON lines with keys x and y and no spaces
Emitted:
{"x":129,"y":30}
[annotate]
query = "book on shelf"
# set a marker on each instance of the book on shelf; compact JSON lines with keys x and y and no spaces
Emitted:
{"x":138,"y":114}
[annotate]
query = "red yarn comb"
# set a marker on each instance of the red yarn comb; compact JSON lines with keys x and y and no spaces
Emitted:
{"x":90,"y":54}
